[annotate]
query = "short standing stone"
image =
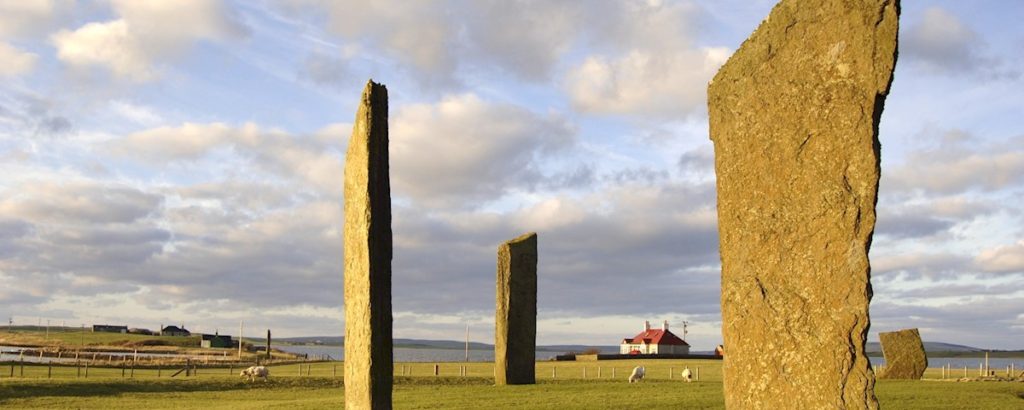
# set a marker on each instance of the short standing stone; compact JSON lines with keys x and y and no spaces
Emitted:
{"x":515,"y":333}
{"x":794,"y":118}
{"x":904,"y":354}
{"x":368,"y":361}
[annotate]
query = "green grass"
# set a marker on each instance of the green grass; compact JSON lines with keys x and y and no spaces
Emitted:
{"x":319,"y":385}
{"x":71,"y":338}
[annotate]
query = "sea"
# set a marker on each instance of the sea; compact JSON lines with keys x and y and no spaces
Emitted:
{"x":406,"y":354}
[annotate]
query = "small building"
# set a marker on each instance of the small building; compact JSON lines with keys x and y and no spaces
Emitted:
{"x":174,"y":331}
{"x":654,"y":341}
{"x":110,"y":328}
{"x":215,"y":340}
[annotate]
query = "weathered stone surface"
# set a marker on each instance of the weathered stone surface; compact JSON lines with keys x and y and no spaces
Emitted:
{"x":515,"y":331}
{"x":904,"y":355}
{"x":794,"y":118}
{"x":368,"y":360}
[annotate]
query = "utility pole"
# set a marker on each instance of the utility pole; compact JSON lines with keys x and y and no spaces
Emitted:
{"x":685,"y":324}
{"x":47,"y":329}
{"x":467,"y":342}
{"x":239,"y":340}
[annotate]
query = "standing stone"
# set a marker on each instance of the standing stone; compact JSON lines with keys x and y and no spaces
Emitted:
{"x":794,"y":118}
{"x":904,"y":354}
{"x":368,"y":362}
{"x":515,"y":331}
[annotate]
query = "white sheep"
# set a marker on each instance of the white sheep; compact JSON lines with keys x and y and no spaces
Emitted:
{"x":255,"y":371}
{"x":686,"y":374}
{"x":638,"y":374}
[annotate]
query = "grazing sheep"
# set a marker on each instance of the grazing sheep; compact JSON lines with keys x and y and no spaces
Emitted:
{"x":686,"y":374}
{"x":255,"y":371}
{"x":638,"y":374}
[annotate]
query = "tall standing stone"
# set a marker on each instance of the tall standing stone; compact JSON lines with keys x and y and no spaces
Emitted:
{"x":515,"y":331}
{"x":794,"y":118}
{"x":368,"y":361}
{"x":904,"y":354}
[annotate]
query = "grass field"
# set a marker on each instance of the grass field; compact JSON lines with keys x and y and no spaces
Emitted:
{"x":319,"y":385}
{"x":72,"y":337}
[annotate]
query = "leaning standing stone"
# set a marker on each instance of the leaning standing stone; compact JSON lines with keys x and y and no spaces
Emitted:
{"x":794,"y":118}
{"x":515,"y":332}
{"x":904,"y":355}
{"x":368,"y":362}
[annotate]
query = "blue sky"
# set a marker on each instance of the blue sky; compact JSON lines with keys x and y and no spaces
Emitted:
{"x":181,"y":162}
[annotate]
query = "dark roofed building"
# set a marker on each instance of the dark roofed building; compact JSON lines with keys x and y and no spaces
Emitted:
{"x":174,"y":331}
{"x":110,"y":328}
{"x":216,"y":340}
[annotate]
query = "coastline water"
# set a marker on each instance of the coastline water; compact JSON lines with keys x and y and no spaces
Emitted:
{"x":406,"y":354}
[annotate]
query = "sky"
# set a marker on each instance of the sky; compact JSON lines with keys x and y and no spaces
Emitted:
{"x":182,"y":163}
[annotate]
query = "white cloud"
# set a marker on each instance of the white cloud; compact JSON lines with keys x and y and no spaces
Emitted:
{"x":147,"y":33}
{"x":79,"y":202}
{"x":463,"y":151}
{"x":495,"y":34}
{"x":15,"y":62}
{"x":418,"y":34}
{"x":941,"y":43}
{"x":314,"y":160}
{"x":31,"y":17}
{"x":1009,"y":258}
{"x":650,"y":66}
{"x":444,"y":42}
{"x":138,"y":114}
{"x":961,"y":165}
{"x":645,"y":83}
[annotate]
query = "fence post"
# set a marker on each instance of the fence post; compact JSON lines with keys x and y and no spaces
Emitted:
{"x":309,"y":369}
{"x":670,"y":371}
{"x":613,"y":372}
{"x":132,"y":375}
{"x":300,"y":369}
{"x":122,"y":369}
{"x":437,"y":370}
{"x":159,"y":369}
{"x":697,"y":374}
{"x":21,"y":369}
{"x":554,"y":374}
{"x":334,"y":370}
{"x":86,"y":370}
{"x":49,"y":369}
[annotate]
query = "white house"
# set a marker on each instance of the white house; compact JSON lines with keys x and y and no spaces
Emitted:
{"x":654,"y":341}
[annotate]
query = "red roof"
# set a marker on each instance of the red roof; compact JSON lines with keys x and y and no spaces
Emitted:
{"x":657,"y":337}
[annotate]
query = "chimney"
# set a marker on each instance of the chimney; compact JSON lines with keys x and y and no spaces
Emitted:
{"x":647,"y":325}
{"x":664,"y":326}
